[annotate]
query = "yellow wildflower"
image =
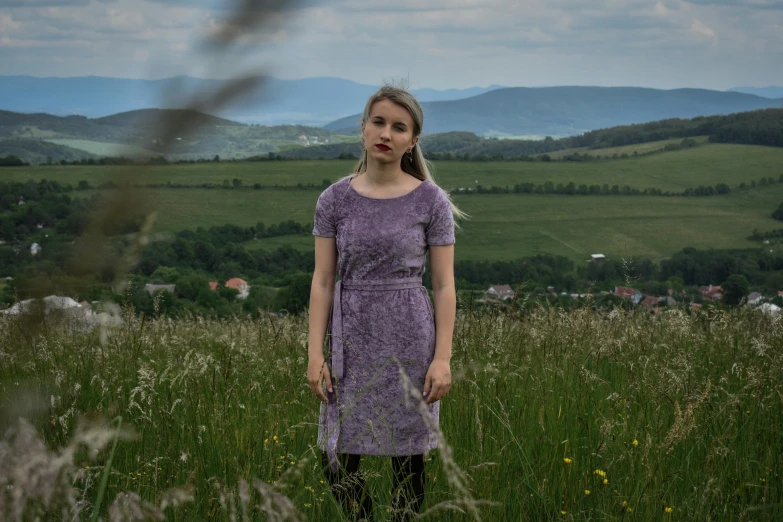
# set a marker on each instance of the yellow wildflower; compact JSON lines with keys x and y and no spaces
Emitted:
{"x":606,"y":481}
{"x":668,"y":509}
{"x":635,"y":442}
{"x":630,"y":510}
{"x":562,"y":512}
{"x":625,"y":503}
{"x":567,"y":460}
{"x":600,"y":473}
{"x":587,"y":492}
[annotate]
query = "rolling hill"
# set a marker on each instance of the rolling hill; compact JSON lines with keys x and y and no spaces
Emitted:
{"x":308,"y":101}
{"x":566,"y":111}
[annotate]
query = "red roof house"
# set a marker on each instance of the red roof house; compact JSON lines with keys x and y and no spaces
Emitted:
{"x":240,"y":285}
{"x":713,"y":293}
{"x":628,"y":293}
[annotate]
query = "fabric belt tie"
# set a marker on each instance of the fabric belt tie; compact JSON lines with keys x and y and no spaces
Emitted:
{"x":337,"y":347}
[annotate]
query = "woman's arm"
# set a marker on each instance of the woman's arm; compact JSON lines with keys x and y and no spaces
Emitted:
{"x":438,"y":380}
{"x":321,"y":294}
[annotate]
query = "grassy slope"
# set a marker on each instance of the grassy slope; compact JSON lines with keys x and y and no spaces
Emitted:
{"x":502,"y":226}
{"x":675,"y":171}
{"x":510,"y":226}
{"x":103,"y":149}
{"x":641,"y":148}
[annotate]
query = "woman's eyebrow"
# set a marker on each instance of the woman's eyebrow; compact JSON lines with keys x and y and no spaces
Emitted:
{"x":382,"y":118}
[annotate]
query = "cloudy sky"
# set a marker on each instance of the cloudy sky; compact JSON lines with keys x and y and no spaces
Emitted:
{"x":714,"y":44}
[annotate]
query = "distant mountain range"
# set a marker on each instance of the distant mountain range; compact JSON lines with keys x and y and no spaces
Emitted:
{"x":765,"y":92}
{"x":566,"y":111}
{"x":311,"y":101}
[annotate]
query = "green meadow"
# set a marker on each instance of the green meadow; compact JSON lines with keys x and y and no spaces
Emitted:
{"x":671,"y":171}
{"x":501,"y":226}
{"x":552,"y":416}
{"x":630,"y":150}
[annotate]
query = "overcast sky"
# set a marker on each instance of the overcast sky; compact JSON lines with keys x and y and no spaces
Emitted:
{"x":441,"y":44}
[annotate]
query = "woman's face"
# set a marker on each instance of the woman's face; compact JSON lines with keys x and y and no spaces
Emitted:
{"x":388,"y":132}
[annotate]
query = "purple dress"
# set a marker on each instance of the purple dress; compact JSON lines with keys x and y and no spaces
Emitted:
{"x":380,"y":312}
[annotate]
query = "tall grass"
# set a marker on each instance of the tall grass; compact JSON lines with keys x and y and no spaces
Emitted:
{"x":553,"y":416}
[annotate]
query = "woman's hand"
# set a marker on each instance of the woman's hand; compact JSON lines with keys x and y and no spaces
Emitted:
{"x":316,"y":371}
{"x":438,"y":380}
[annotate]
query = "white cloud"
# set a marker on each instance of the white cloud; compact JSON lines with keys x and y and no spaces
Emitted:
{"x":441,"y":43}
{"x":8,"y":24}
{"x":702,"y":31}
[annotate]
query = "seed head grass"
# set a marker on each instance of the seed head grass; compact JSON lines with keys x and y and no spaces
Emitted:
{"x":606,"y":416}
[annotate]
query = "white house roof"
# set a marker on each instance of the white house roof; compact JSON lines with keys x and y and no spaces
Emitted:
{"x":52,"y":302}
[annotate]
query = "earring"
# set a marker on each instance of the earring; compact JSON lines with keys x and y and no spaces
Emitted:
{"x":410,"y":155}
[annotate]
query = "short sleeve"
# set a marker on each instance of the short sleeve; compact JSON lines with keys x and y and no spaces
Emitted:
{"x":324,"y":223}
{"x":440,"y":230}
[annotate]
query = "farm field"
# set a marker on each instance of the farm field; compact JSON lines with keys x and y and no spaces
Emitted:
{"x":552,"y":416}
{"x":508,"y":226}
{"x":102,"y":148}
{"x":673,"y":171}
{"x":640,"y":148}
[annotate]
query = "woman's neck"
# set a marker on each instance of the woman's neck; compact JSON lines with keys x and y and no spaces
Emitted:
{"x":385,"y":175}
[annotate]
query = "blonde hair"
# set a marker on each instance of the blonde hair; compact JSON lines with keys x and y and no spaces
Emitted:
{"x":418,"y":167}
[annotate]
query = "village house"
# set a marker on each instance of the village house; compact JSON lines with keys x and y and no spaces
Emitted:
{"x":713,"y":293}
{"x":597,"y":258}
{"x":500,"y":292}
{"x":650,"y":302}
{"x":213,"y":285}
{"x":755,"y":298}
{"x":240,"y":285}
{"x":152,"y":288}
{"x":625,"y":292}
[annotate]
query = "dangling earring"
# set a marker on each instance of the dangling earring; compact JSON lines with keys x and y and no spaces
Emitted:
{"x":410,"y":154}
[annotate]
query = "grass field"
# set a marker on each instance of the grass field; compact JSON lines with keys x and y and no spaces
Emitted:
{"x":553,"y":416}
{"x":640,"y":148}
{"x":509,"y":226}
{"x":674,"y":171}
{"x":501,"y":226}
{"x":103,"y":149}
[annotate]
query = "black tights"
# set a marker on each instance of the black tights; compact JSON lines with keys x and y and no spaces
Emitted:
{"x":348,"y":487}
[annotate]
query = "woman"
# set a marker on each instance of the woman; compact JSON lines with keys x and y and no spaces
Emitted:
{"x":374,"y":228}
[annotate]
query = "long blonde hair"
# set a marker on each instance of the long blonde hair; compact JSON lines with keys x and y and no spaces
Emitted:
{"x":418,"y":167}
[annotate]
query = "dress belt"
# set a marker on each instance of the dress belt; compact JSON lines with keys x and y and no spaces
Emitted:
{"x":337,"y":346}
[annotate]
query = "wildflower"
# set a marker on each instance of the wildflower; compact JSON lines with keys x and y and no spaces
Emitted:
{"x":275,"y":439}
{"x":668,"y":509}
{"x":606,"y":481}
{"x":625,"y":503}
{"x":763,"y":480}
{"x":600,"y":473}
{"x":567,"y":460}
{"x":630,"y":510}
{"x":183,"y":457}
{"x":563,"y":512}
{"x":292,"y":462}
{"x":587,"y":492}
{"x":266,"y":441}
{"x":308,"y":505}
{"x":635,"y":442}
